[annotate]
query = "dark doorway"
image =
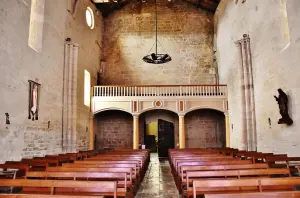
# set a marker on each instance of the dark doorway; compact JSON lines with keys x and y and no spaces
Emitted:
{"x":165,"y":137}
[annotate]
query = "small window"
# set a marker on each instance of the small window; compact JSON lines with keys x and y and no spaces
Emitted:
{"x":35,"y":39}
{"x":89,"y":16}
{"x":87,"y":88}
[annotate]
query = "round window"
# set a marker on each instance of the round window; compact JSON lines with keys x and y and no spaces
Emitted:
{"x":89,"y":16}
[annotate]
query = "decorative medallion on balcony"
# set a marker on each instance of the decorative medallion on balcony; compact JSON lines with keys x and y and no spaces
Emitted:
{"x":158,"y":103}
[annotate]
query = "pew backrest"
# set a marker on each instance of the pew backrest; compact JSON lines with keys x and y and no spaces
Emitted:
{"x":85,"y":186}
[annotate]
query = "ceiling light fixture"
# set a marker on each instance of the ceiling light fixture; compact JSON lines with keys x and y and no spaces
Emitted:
{"x":155,"y":58}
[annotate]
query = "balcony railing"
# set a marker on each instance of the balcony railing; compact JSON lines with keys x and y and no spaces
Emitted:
{"x":160,"y":90}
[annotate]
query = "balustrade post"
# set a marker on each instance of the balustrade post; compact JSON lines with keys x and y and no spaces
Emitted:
{"x":180,"y":92}
{"x":93,"y":91}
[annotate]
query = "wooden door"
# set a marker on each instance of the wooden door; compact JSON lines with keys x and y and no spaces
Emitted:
{"x":165,"y":137}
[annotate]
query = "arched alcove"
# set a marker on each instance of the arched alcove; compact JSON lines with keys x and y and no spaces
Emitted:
{"x":153,"y":126}
{"x":205,"y":128}
{"x":113,"y":129}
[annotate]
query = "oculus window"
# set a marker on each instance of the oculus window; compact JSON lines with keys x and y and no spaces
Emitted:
{"x":89,"y":17}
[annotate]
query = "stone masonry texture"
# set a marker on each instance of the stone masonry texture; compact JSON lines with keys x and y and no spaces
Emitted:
{"x":205,"y":129}
{"x":184,"y":31}
{"x":114,"y":129}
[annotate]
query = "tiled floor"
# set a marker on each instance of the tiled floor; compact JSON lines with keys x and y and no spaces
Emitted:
{"x":158,"y":181}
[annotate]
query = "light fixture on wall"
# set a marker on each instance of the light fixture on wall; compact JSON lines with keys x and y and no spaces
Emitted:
{"x":154,"y":57}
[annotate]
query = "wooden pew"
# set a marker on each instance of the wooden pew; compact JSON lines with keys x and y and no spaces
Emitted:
{"x":228,"y":186}
{"x":286,"y":194}
{"x":44,"y":196}
{"x":190,"y":176}
{"x":50,"y":162}
{"x":21,"y":168}
{"x":184,"y":169}
{"x":120,"y":178}
{"x":138,"y":168}
{"x":182,"y":174}
{"x":203,"y":159}
{"x":63,"y":187}
{"x":209,"y":163}
{"x":283,"y":161}
{"x":133,"y":166}
{"x":113,"y":158}
{"x":130,"y":181}
{"x":34,"y":165}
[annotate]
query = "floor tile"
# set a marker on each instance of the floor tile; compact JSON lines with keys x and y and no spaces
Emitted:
{"x":158,"y":181}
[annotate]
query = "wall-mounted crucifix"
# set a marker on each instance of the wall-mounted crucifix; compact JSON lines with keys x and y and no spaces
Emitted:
{"x":33,"y":104}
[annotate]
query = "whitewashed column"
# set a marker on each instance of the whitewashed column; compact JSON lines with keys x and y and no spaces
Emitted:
{"x":243,"y":140}
{"x":70,"y":97}
{"x":252,"y":116}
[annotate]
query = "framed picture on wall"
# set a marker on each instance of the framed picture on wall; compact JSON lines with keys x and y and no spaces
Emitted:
{"x":33,"y":103}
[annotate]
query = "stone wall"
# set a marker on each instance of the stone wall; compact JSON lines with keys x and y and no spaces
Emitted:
{"x":273,"y":27}
{"x":20,"y":63}
{"x":184,"y":31}
{"x":89,"y":56}
{"x":114,"y":129}
{"x":205,"y":129}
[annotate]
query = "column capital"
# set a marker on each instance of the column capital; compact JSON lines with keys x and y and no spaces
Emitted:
{"x":181,"y":114}
{"x":135,"y":115}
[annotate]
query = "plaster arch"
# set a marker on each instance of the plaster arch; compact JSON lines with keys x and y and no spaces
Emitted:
{"x":110,"y":109}
{"x":157,"y":108}
{"x":205,"y":107}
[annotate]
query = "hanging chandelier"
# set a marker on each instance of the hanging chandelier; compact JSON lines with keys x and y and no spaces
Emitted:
{"x":154,"y":57}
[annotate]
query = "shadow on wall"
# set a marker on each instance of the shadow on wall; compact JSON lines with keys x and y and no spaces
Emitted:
{"x":113,"y":129}
{"x":205,"y":128}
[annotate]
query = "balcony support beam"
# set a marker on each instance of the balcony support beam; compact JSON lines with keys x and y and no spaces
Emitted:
{"x":136,"y":133}
{"x":181,"y":132}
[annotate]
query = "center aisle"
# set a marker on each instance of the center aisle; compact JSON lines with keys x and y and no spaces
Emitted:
{"x":158,"y":181}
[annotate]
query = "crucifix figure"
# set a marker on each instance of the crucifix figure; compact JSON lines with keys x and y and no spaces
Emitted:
{"x":33,"y":100}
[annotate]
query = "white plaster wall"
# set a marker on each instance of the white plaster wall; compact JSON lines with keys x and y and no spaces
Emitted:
{"x":89,"y":56}
{"x":18,"y":64}
{"x":273,"y":67}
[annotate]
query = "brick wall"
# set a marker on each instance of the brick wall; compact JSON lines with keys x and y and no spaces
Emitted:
{"x":205,"y":128}
{"x":185,"y":32}
{"x":114,"y":129}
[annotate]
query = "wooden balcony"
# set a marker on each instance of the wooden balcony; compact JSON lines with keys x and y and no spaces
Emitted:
{"x":177,"y":98}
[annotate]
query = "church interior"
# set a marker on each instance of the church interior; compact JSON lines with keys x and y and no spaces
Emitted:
{"x":149,"y":98}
